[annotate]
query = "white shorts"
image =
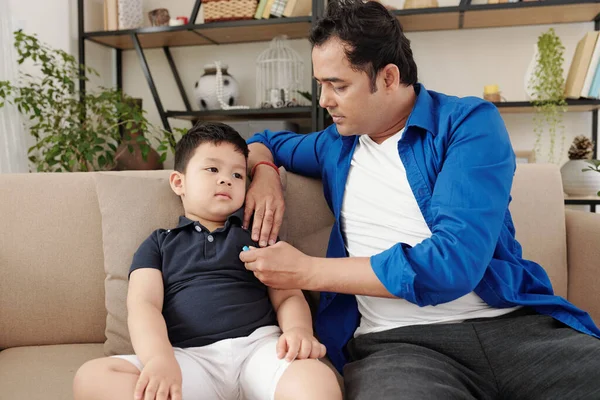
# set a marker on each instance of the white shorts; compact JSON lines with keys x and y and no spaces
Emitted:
{"x":244,"y":368}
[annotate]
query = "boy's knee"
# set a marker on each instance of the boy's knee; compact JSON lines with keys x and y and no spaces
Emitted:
{"x":309,"y":379}
{"x":84,"y":378}
{"x":96,"y":372}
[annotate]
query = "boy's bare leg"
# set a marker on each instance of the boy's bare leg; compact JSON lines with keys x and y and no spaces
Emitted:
{"x":105,"y":379}
{"x":308,"y":379}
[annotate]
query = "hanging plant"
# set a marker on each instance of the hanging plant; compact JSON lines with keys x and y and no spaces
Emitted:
{"x":547,"y":85}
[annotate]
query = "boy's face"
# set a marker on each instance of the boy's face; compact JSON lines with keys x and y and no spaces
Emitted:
{"x":214,"y":183}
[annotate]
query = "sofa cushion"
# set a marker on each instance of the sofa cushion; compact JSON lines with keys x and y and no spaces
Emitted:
{"x":538,"y":212}
{"x":51,"y":289}
{"x":131,"y":207}
{"x":43,"y":372}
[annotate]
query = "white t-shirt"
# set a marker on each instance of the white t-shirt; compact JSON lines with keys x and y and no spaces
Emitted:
{"x":379,"y":210}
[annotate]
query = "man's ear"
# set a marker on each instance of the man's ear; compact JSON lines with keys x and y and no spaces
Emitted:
{"x":176,"y":180}
{"x":391,"y":76}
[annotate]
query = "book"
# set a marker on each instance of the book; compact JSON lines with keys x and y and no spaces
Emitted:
{"x":111,"y":15}
{"x":297,"y":8}
{"x":260,"y":9}
{"x":267,"y":10}
{"x":580,"y":64}
{"x":591,"y":70}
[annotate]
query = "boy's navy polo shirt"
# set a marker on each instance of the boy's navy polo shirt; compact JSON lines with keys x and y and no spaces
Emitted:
{"x":209,"y":295}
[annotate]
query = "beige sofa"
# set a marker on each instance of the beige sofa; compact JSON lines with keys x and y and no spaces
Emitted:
{"x":53,"y":256}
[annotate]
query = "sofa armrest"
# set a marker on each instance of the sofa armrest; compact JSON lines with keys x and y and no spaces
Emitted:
{"x":583,"y":255}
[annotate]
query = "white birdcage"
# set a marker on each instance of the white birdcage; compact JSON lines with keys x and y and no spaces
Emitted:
{"x":279,"y":75}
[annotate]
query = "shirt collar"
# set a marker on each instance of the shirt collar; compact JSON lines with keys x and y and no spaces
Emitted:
{"x":239,"y":215}
{"x":422,"y":114}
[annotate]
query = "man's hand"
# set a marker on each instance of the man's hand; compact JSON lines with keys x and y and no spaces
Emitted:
{"x":298,"y":343}
{"x":280,"y":266}
{"x":264,"y":199}
{"x":160,"y":379}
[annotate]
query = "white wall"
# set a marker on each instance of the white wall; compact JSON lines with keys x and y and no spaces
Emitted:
{"x":458,"y":62}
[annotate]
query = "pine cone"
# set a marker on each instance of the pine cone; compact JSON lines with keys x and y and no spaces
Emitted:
{"x":581,"y":149}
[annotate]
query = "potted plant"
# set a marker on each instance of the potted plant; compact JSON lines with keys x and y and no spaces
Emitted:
{"x":74,"y":131}
{"x":594,"y":166}
{"x":576,"y":182}
{"x":547,"y":91}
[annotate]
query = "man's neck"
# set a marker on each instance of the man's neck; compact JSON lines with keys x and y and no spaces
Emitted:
{"x":402,"y":109}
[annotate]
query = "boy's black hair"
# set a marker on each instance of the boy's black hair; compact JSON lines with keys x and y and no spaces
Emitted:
{"x":206,"y":132}
{"x":373,"y":36}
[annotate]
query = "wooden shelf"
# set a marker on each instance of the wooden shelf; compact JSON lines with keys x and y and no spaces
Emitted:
{"x":203,"y":34}
{"x":429,"y":19}
{"x":525,"y":107}
{"x":530,"y":13}
{"x":253,"y":113}
{"x":421,"y":19}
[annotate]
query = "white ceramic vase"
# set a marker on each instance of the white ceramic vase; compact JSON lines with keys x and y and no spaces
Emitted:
{"x":579,"y":183}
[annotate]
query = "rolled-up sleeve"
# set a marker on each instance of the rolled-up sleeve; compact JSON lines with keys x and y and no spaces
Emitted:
{"x":468,"y":205}
{"x":297,"y":153}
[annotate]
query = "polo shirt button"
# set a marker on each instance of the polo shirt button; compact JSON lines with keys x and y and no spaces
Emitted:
{"x":210,"y":238}
{"x":198,"y":228}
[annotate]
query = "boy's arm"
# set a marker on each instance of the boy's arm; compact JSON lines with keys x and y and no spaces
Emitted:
{"x":292,"y":309}
{"x":293,"y":315}
{"x":147,"y":326}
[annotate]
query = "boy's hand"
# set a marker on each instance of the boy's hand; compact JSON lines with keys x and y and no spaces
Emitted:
{"x":160,"y":379}
{"x":298,"y":343}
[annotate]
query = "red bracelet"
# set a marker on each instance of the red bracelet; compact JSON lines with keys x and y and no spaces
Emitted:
{"x":265,"y":163}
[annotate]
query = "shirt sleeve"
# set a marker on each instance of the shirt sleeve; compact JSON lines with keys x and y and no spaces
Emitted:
{"x":302,"y":154}
{"x":148,"y":254}
{"x":468,"y":206}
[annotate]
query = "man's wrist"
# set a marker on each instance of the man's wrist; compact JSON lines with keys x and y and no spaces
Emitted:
{"x":312,"y":281}
{"x":260,"y":166}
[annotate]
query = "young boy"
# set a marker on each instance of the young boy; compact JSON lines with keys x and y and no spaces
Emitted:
{"x":202,"y":326}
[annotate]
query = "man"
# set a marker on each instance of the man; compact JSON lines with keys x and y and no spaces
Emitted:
{"x":425,"y":293}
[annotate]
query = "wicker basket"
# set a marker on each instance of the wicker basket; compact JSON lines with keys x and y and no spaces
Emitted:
{"x":227,"y":10}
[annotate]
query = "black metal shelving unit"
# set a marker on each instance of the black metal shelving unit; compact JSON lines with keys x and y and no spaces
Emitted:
{"x":463,"y":16}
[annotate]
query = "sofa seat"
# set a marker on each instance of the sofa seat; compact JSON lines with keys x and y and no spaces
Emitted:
{"x":43,"y":372}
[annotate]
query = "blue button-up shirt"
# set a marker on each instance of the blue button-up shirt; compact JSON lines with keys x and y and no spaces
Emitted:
{"x":460,"y":165}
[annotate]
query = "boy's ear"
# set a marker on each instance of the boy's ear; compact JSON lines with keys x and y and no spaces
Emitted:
{"x":176,"y":180}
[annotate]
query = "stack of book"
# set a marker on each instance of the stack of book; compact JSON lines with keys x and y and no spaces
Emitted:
{"x":283,"y":8}
{"x":583,"y":79}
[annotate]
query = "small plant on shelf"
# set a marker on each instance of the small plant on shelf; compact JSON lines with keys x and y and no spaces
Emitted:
{"x":547,"y":86}
{"x":74,"y":130}
{"x":575,"y":181}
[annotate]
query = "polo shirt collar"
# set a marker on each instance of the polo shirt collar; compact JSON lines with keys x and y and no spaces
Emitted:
{"x":239,"y":215}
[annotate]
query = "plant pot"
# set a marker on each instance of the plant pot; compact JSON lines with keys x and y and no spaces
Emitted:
{"x":127,"y":160}
{"x":579,"y":183}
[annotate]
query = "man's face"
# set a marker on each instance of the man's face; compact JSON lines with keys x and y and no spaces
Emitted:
{"x":214,"y":183}
{"x":346,"y":93}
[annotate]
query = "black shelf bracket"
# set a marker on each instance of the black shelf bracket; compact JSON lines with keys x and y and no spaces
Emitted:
{"x":152,"y":86}
{"x":195,"y":11}
{"x":81,"y":47}
{"x":184,"y":97}
{"x":462,"y":6}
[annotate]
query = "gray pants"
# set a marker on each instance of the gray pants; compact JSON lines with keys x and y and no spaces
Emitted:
{"x":521,"y":355}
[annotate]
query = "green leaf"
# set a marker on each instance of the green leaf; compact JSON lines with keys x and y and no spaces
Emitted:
{"x":145,"y":151}
{"x":163,"y":157}
{"x":102,"y":161}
